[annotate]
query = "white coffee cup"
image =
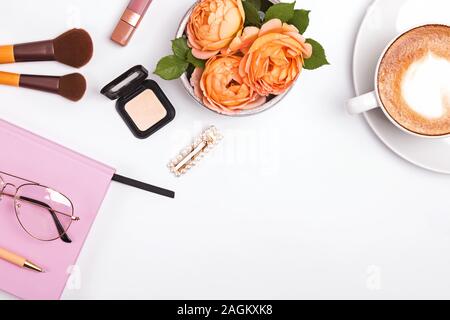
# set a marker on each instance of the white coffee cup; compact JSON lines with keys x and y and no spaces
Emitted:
{"x":372,"y":100}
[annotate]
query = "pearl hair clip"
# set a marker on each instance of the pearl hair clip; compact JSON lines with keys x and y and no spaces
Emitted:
{"x":190,"y":156}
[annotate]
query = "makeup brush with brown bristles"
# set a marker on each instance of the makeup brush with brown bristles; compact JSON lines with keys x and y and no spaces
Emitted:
{"x":71,"y":86}
{"x":73,"y":48}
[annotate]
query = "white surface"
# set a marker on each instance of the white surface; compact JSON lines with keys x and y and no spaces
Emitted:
{"x":302,"y":201}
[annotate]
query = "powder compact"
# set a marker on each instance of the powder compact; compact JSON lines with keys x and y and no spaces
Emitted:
{"x":141,"y":102}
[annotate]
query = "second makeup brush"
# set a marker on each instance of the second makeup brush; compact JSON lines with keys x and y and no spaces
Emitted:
{"x":71,"y":86}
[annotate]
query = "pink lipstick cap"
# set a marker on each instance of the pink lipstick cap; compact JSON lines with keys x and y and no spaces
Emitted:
{"x":129,"y":21}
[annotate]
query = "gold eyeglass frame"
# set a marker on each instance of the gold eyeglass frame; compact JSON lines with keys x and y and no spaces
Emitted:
{"x":3,"y":185}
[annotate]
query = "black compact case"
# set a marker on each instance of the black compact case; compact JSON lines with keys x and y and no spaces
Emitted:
{"x":130,"y":85}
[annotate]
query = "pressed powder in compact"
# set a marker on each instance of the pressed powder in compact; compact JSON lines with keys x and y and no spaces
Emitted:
{"x":146,"y":110}
{"x":142,"y":104}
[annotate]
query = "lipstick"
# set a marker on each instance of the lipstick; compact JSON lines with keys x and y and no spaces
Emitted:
{"x":130,"y":20}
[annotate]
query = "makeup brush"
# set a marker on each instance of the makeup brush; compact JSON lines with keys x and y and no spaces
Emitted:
{"x":73,"y":48}
{"x":71,"y":86}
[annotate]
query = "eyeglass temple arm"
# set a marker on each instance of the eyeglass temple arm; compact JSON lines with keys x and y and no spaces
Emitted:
{"x":143,"y":186}
{"x":64,"y":236}
{"x":41,"y":204}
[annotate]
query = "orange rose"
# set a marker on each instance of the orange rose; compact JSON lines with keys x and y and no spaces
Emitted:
{"x":213,"y":25}
{"x":222,"y":89}
{"x":274,"y":56}
{"x":243,"y":41}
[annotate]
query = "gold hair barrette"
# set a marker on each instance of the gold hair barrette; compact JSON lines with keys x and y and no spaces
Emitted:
{"x":190,"y":156}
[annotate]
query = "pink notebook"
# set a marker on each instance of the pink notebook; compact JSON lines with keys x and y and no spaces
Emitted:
{"x":83,"y":180}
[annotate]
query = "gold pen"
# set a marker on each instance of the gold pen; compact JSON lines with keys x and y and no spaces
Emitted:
{"x":18,"y":260}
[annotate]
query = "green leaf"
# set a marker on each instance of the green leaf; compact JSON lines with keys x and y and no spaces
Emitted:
{"x":318,"y":58}
{"x":251,"y":14}
{"x":171,"y":67}
{"x":300,"y":20}
{"x":282,"y":11}
{"x":256,"y":3}
{"x":180,"y":47}
{"x":195,"y":61}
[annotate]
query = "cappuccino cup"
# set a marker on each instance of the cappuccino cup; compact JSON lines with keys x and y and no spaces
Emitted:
{"x":412,"y":83}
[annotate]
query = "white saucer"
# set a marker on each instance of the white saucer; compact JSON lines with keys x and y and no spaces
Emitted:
{"x":384,"y":20}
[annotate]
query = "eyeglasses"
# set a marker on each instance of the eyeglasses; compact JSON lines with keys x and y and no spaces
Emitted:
{"x":45,"y":214}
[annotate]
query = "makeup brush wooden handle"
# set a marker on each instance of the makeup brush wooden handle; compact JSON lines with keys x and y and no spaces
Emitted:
{"x":7,"y":54}
{"x":33,"y":51}
{"x":9,"y":79}
{"x":41,"y":83}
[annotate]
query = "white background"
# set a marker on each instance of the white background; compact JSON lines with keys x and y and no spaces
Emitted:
{"x":302,"y":201}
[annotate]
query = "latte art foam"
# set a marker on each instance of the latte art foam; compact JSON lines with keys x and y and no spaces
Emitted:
{"x":414,"y":80}
{"x":426,"y":86}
